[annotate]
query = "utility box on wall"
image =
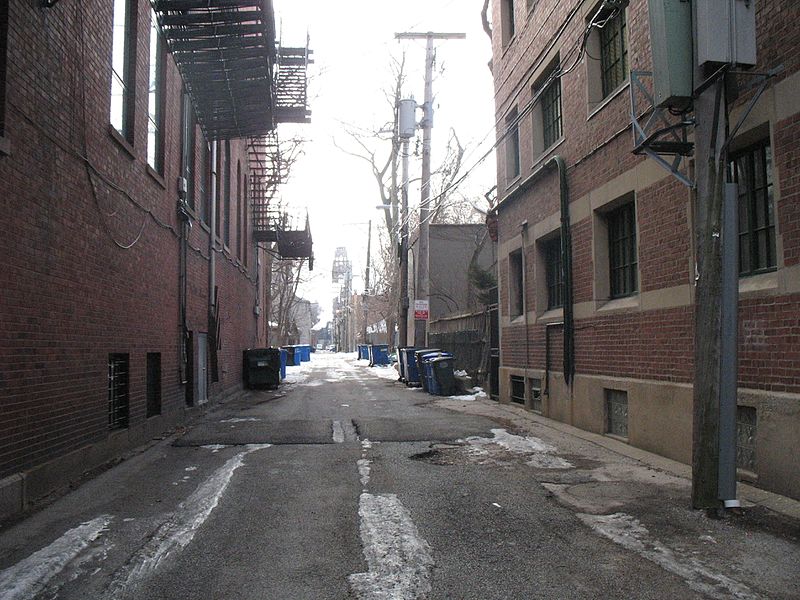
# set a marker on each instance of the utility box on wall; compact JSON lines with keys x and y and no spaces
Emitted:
{"x":671,"y":41}
{"x":726,"y":32}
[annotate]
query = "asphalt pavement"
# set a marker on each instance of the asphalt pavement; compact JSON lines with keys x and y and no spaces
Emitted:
{"x":345,"y":484}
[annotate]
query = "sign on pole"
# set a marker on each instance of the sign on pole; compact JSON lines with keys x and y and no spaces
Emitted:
{"x":421,"y":310}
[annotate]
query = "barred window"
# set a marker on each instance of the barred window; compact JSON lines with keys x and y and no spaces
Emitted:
{"x":554,"y":273}
{"x":613,"y":51}
{"x":752,"y":170}
{"x":550,"y":101}
{"x":622,"y":256}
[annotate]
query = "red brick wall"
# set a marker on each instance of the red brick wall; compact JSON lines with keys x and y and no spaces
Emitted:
{"x":70,"y":295}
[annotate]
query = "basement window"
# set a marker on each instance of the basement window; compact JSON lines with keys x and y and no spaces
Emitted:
{"x":617,"y":412}
{"x":518,"y":389}
{"x":153,"y":384}
{"x":118,"y":391}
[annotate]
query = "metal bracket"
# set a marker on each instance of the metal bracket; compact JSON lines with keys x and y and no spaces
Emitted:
{"x":656,"y":135}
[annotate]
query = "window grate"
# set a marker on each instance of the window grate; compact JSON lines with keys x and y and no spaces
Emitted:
{"x":118,"y":391}
{"x":617,"y":412}
{"x":518,"y":389}
{"x":622,"y":250}
{"x":613,"y":52}
{"x":153,"y":384}
{"x":752,"y":170}
{"x":551,"y":113}
{"x":535,"y":391}
{"x":746,"y":430}
{"x":554,"y":273}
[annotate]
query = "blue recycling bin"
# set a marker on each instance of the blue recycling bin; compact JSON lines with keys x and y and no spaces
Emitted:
{"x":442,"y":379}
{"x":293,"y":356}
{"x":363,"y":352}
{"x":422,"y":356}
{"x":283,"y":362}
{"x":378,"y":354}
{"x":305,"y":352}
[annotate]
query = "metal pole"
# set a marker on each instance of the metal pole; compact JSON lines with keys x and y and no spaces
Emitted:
{"x":404,"y":250}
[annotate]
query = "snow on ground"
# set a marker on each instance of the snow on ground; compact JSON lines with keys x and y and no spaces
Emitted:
{"x":540,"y":455}
{"x":629,"y":533}
{"x":473,"y":394}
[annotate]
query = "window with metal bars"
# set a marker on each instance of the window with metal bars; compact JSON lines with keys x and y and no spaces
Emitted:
{"x":550,"y":101}
{"x":153,"y":384}
{"x":118,"y":391}
{"x":613,"y":50}
{"x":155,"y":99}
{"x":752,"y":171}
{"x":518,"y":389}
{"x":512,"y":146}
{"x":123,"y":66}
{"x":553,"y":272}
{"x":622,"y":254}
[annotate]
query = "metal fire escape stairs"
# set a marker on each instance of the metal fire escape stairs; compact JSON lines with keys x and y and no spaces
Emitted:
{"x":268,"y":170}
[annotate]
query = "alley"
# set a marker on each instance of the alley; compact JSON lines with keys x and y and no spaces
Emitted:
{"x":345,"y":484}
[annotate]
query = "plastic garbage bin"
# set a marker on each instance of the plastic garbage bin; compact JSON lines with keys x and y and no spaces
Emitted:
{"x":443,"y":380}
{"x":378,"y":354}
{"x":293,"y":356}
{"x":305,"y":352}
{"x":363,"y":352}
{"x":415,"y":357}
{"x":283,"y":362}
{"x":402,"y":361}
{"x":261,"y":367}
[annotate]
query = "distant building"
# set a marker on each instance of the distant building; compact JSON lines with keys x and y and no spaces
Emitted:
{"x":625,"y":368}
{"x":129,"y":289}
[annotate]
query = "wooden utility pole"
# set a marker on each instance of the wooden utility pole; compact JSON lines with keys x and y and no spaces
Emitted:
{"x":366,"y":283}
{"x":423,"y":276}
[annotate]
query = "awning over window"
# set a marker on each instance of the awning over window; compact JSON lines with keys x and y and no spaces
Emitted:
{"x":225,"y":51}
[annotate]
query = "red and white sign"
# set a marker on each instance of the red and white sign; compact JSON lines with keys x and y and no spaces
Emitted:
{"x":421,"y":310}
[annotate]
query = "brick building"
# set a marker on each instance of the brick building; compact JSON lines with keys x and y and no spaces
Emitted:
{"x":623,"y":302}
{"x":130,"y":275}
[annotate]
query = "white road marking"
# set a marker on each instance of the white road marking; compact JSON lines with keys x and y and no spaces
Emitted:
{"x":338,"y":432}
{"x":29,"y":577}
{"x":399,"y":560}
{"x":180,"y":527}
{"x":363,"y":471}
{"x":626,"y":531}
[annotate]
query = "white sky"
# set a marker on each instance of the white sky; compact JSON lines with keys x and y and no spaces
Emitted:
{"x":352,"y":44}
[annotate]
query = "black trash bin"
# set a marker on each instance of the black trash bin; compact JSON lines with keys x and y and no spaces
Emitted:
{"x":444,"y":380}
{"x":262,"y":367}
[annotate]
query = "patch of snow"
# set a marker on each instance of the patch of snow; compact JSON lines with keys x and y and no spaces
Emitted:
{"x":629,"y":533}
{"x":29,"y":577}
{"x":496,"y":504}
{"x":364,"y":471}
{"x":239,"y":420}
{"x":399,"y":560}
{"x":541,"y":454}
{"x":338,"y":432}
{"x":473,"y":394}
{"x":214,"y":447}
{"x":190,"y":469}
{"x":460,"y":373}
{"x":365,"y":444}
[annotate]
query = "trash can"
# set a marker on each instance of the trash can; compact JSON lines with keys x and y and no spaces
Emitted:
{"x":443,"y":380}
{"x":378,"y":354}
{"x":305,"y":352}
{"x":402,"y":361}
{"x":261,"y":367}
{"x":422,"y":357}
{"x":363,"y":352}
{"x":283,"y":362}
{"x":416,"y":370}
{"x":293,"y":356}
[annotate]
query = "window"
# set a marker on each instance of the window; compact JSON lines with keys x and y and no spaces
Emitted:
{"x":516,"y":286}
{"x":622,"y":257}
{"x":746,"y":428}
{"x":546,"y":112}
{"x":123,"y":67}
{"x":553,"y":272}
{"x":607,"y":54}
{"x":535,"y":394}
{"x":239,"y":222}
{"x":153,"y":384}
{"x":155,"y":99}
{"x":204,"y":189}
{"x":512,"y":146}
{"x":244,"y":221}
{"x":118,"y":392}
{"x":617,"y":412}
{"x":226,"y":174}
{"x":752,"y":170}
{"x":518,"y":389}
{"x":508,"y":26}
{"x":3,"y":60}
{"x":218,"y":203}
{"x":188,"y":148}
{"x":613,"y":51}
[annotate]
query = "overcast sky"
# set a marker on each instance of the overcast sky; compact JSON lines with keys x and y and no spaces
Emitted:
{"x":353,"y":43}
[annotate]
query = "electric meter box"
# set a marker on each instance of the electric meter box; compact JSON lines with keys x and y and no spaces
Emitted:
{"x":671,"y":42}
{"x":726,"y":32}
{"x":406,"y":119}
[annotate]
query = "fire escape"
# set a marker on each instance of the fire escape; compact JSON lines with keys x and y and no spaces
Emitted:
{"x":268,"y":170}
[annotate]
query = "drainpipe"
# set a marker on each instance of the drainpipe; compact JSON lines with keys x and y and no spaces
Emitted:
{"x":524,"y":228}
{"x":566,"y":268}
{"x":212,"y":224}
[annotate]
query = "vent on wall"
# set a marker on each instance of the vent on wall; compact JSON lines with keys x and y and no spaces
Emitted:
{"x":617,"y":412}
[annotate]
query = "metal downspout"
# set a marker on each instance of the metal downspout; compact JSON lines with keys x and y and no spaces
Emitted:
{"x":566,"y":269}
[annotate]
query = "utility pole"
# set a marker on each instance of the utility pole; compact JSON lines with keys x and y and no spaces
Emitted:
{"x":423,"y":281}
{"x":366,"y":282}
{"x":406,"y":125}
